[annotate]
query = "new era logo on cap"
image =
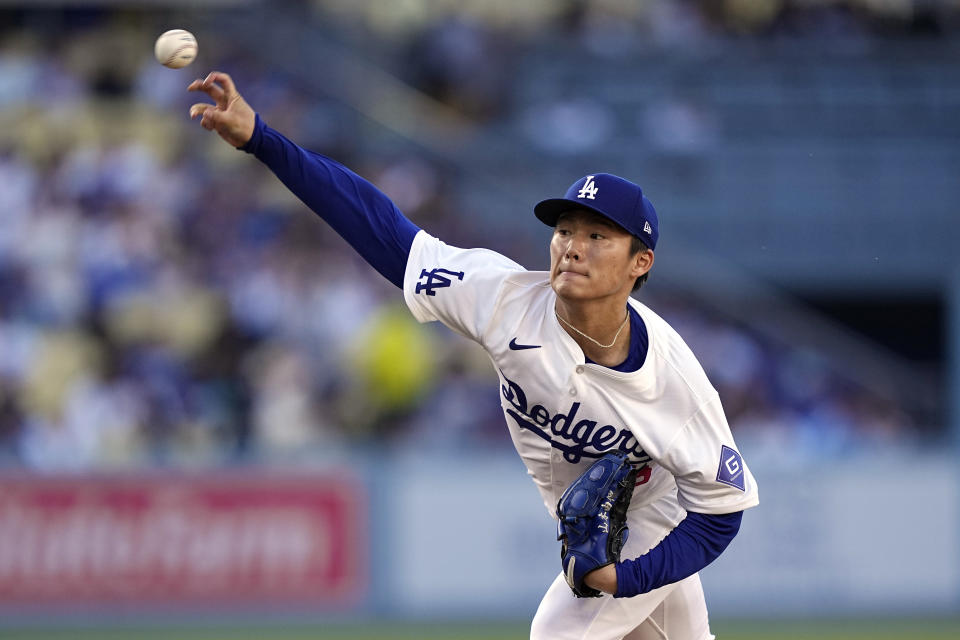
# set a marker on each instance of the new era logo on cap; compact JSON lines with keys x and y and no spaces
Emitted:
{"x":612,"y":197}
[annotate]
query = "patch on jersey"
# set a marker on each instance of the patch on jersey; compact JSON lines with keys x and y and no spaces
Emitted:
{"x":731,"y":468}
{"x":435,"y":279}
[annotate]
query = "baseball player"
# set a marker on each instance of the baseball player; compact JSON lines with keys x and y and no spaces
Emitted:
{"x":584,"y":370}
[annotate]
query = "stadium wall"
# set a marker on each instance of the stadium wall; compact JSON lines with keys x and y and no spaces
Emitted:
{"x":877,"y":535}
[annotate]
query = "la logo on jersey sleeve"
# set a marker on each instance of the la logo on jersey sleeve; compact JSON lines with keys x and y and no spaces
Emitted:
{"x":731,"y":468}
{"x":435,"y":279}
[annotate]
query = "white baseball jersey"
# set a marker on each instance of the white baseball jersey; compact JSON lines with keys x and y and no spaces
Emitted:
{"x":563,"y":413}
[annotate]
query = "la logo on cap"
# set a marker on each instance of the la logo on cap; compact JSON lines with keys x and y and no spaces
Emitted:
{"x":589,"y":189}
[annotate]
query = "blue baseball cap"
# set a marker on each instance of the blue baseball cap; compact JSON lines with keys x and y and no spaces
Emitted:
{"x":613,"y":198}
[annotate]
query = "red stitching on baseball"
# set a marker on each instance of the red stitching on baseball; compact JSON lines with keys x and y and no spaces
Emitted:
{"x":177,"y":52}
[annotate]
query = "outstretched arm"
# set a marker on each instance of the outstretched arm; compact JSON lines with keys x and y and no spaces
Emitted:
{"x":352,"y":206}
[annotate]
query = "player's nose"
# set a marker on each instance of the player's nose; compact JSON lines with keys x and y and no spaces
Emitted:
{"x":574,"y":248}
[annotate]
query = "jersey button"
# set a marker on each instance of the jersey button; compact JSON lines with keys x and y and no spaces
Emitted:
{"x":573,"y":392}
{"x":580,"y":369}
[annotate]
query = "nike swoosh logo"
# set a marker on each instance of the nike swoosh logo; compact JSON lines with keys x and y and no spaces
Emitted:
{"x":521,"y":347}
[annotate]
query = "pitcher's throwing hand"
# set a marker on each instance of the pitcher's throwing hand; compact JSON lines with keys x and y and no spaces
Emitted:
{"x":230,"y":116}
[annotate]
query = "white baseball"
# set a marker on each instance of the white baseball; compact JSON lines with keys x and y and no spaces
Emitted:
{"x":175,"y":48}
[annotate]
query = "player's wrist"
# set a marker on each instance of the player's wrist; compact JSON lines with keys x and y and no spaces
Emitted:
{"x":253,"y":140}
{"x":602,"y":579}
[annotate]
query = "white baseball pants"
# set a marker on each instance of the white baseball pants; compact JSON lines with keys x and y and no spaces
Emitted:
{"x":673,"y":612}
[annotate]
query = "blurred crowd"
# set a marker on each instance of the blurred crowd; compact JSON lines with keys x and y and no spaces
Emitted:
{"x":661,"y":19}
{"x":461,"y":52}
{"x":164,"y":301}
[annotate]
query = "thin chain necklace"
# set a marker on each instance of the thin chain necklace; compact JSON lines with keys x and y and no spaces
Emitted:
{"x":602,"y":346}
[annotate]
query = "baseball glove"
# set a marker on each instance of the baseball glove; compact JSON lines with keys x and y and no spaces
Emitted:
{"x":592,"y":516}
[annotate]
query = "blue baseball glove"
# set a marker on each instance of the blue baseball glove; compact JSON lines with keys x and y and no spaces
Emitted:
{"x":592,"y":516}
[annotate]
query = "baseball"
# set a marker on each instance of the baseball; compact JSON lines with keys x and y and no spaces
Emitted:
{"x":175,"y":48}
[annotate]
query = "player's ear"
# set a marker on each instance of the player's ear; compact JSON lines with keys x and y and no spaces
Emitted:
{"x":642,"y":262}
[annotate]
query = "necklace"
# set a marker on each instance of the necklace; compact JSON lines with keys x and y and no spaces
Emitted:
{"x":602,"y":346}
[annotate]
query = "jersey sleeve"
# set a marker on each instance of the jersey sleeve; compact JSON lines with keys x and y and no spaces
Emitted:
{"x":363,"y":215}
{"x":697,"y":541}
{"x":457,"y":287}
{"x":710,"y":473}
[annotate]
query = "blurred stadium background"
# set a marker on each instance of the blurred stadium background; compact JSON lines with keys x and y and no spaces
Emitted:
{"x":217,"y":422}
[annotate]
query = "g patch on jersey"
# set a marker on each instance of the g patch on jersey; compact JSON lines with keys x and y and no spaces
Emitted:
{"x":731,"y":468}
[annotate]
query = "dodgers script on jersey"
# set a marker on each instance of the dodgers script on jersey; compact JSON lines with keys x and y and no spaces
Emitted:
{"x":563,"y":413}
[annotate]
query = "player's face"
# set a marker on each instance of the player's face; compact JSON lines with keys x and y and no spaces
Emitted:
{"x":590,"y":258}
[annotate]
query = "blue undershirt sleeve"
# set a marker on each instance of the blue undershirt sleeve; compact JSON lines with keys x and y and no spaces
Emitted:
{"x":363,"y":216}
{"x":696,"y":542}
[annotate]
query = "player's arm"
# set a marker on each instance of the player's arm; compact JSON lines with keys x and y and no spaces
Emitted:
{"x":363,"y":215}
{"x":714,"y":486}
{"x":697,"y":541}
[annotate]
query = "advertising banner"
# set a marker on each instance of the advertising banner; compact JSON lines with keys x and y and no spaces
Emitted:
{"x":193,"y":541}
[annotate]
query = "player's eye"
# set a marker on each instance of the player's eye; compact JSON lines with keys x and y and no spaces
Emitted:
{"x":597,"y":236}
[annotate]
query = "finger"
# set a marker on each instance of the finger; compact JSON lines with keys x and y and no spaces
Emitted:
{"x":208,"y":121}
{"x":212,"y":89}
{"x":225,"y":80}
{"x":198,"y":109}
{"x":226,"y":90}
{"x":216,"y":92}
{"x":203,"y":85}
{"x":211,"y":118}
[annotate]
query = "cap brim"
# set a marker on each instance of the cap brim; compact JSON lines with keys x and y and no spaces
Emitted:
{"x":548,"y":211}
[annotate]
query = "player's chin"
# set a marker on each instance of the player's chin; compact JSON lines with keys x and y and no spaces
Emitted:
{"x":570,"y":288}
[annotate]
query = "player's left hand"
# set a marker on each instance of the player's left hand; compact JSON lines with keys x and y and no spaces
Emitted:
{"x":592,"y":523}
{"x":230,"y":116}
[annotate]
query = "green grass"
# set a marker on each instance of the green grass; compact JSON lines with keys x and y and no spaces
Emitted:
{"x":899,"y":629}
{"x":285,"y":632}
{"x":882,"y":629}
